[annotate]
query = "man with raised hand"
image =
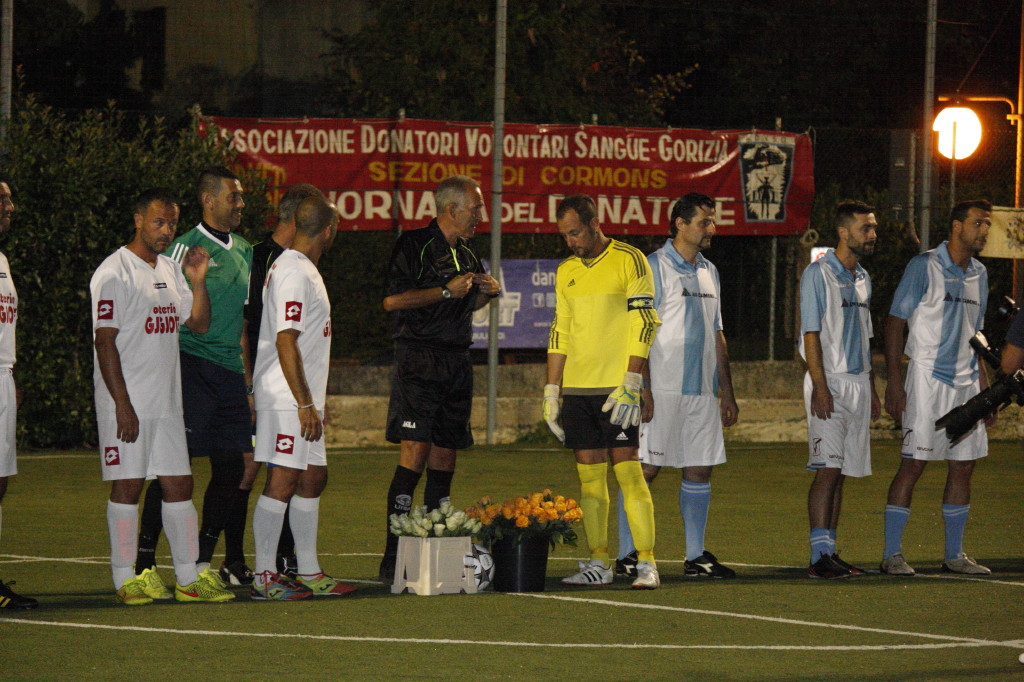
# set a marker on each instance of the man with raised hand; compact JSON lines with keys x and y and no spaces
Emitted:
{"x":215,"y":373}
{"x":292,"y":363}
{"x":10,"y":396}
{"x":433,"y":285}
{"x":941,"y":299}
{"x":839,"y":387}
{"x":600,"y":338}
{"x":683,"y":411}
{"x":140,"y":299}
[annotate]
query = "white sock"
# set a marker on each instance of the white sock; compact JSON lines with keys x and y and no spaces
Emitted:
{"x":304,"y":517}
{"x":1,"y":518}
{"x":123,"y":527}
{"x":180,"y":524}
{"x":267,"y":520}
{"x":200,"y":567}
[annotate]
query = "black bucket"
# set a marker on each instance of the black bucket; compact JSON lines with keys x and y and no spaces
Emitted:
{"x":520,"y":566}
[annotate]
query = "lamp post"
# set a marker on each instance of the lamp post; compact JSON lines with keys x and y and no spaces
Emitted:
{"x":959,"y":130}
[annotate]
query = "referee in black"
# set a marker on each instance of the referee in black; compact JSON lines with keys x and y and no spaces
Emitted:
{"x":434,"y":284}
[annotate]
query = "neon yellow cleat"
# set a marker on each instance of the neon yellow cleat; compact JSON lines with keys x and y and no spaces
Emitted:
{"x":202,"y":590}
{"x":153,"y":585}
{"x":133,"y":593}
{"x":323,"y":585}
{"x":213,"y":577}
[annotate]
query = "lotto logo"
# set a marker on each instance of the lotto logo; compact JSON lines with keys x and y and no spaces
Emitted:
{"x":105,"y":310}
{"x":327,"y":328}
{"x":111,"y":457}
{"x":285,"y":443}
{"x":293,"y":311}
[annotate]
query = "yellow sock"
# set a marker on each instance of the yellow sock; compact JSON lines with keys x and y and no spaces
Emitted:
{"x":594,"y":503}
{"x":636,"y":498}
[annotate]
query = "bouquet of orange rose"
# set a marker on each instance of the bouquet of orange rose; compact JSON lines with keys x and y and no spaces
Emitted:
{"x":540,"y":515}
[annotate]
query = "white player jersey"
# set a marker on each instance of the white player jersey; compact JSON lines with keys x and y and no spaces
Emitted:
{"x":146,"y":305}
{"x":8,"y":314}
{"x":294,"y":297}
{"x":944,"y":306}
{"x":837,"y":303}
{"x":684,"y":358}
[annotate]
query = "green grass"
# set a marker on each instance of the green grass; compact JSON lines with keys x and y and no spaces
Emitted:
{"x":770,"y":623}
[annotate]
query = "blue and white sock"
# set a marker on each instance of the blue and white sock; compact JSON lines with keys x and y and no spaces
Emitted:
{"x":955,"y":518}
{"x":895,"y":521}
{"x":694,"y":502}
{"x":821,"y":545}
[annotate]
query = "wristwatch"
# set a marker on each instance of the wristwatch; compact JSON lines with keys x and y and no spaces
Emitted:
{"x":445,"y":293}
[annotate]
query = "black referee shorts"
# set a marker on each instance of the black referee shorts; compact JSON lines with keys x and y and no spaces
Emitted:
{"x":431,"y":397}
{"x":216,"y":407}
{"x":588,"y":428}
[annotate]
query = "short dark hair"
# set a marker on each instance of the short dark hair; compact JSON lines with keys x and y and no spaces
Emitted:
{"x":686,"y":208}
{"x":312,"y":215}
{"x":959,"y":212}
{"x":584,"y":206}
{"x":148,"y":196}
{"x":293,"y":197}
{"x":209,"y":180}
{"x":848,"y":208}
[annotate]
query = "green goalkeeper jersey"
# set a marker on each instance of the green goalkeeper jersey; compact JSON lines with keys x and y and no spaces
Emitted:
{"x":227,"y":282}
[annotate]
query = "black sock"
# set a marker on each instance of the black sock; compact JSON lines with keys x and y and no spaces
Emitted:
{"x":150,"y":525}
{"x":286,"y":543}
{"x":403,"y":485}
{"x":234,"y":529}
{"x":438,"y":487}
{"x":226,"y":471}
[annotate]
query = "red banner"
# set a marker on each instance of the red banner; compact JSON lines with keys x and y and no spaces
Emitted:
{"x":381,"y":172}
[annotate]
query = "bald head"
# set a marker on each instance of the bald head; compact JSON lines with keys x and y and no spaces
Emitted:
{"x":313,"y":215}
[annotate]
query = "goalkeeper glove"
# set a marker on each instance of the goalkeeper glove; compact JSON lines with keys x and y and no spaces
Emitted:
{"x":624,"y":402}
{"x":552,"y":409}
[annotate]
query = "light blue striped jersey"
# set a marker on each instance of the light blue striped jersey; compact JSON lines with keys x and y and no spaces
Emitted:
{"x":837,"y":303}
{"x":944,"y":306}
{"x":683,"y":357}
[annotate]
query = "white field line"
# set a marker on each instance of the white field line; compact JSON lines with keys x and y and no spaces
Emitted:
{"x":19,"y":558}
{"x":769,"y":619}
{"x":958,"y":643}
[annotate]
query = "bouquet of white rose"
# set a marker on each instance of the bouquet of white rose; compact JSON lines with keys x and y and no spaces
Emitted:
{"x":444,"y":522}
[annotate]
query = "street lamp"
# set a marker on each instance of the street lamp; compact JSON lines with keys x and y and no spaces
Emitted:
{"x":959,"y":130}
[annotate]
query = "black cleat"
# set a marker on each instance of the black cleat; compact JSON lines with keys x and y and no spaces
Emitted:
{"x":386,"y":574}
{"x":288,"y":565}
{"x":9,"y":599}
{"x":627,"y":565}
{"x":236,"y":573}
{"x":827,"y":568}
{"x":707,"y":566}
{"x":848,"y":566}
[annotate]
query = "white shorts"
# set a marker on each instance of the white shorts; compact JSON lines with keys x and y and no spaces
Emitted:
{"x":278,"y":442}
{"x":8,"y":424}
{"x":685,"y":431}
{"x":160,"y":450}
{"x":928,"y":399}
{"x":843,"y":441}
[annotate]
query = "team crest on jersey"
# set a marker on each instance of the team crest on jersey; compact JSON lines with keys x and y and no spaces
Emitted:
{"x":105,"y":310}
{"x":293,"y":311}
{"x":285,"y":444}
{"x":111,"y":456}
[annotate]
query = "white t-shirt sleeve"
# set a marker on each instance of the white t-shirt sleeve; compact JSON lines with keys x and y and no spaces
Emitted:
{"x":289,"y":296}
{"x":187,"y":298}
{"x":109,"y":300}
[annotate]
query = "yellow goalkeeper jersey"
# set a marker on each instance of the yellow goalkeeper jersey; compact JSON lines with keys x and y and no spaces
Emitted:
{"x":604,"y":313}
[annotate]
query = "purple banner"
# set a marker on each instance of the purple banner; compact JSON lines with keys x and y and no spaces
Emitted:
{"x":526,"y":306}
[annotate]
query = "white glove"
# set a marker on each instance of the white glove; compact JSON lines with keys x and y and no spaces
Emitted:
{"x":552,"y":408}
{"x":624,"y":402}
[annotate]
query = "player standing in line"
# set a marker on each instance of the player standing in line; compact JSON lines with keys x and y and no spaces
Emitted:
{"x":839,"y":387}
{"x":434,"y":284}
{"x":10,"y":396}
{"x":682,"y":416}
{"x":292,"y":364}
{"x":215,"y":374}
{"x":140,"y":299}
{"x":263,"y":256}
{"x":942,"y":298}
{"x":600,"y":337}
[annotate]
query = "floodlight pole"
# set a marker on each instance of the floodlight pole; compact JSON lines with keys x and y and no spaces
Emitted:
{"x":6,"y":61}
{"x":926,"y":131}
{"x":497,"y":178}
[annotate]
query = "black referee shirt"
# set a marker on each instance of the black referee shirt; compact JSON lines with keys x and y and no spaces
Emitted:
{"x":422,"y":259}
{"x":263,"y":256}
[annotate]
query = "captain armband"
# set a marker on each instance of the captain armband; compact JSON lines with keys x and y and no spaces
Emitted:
{"x":640,"y":303}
